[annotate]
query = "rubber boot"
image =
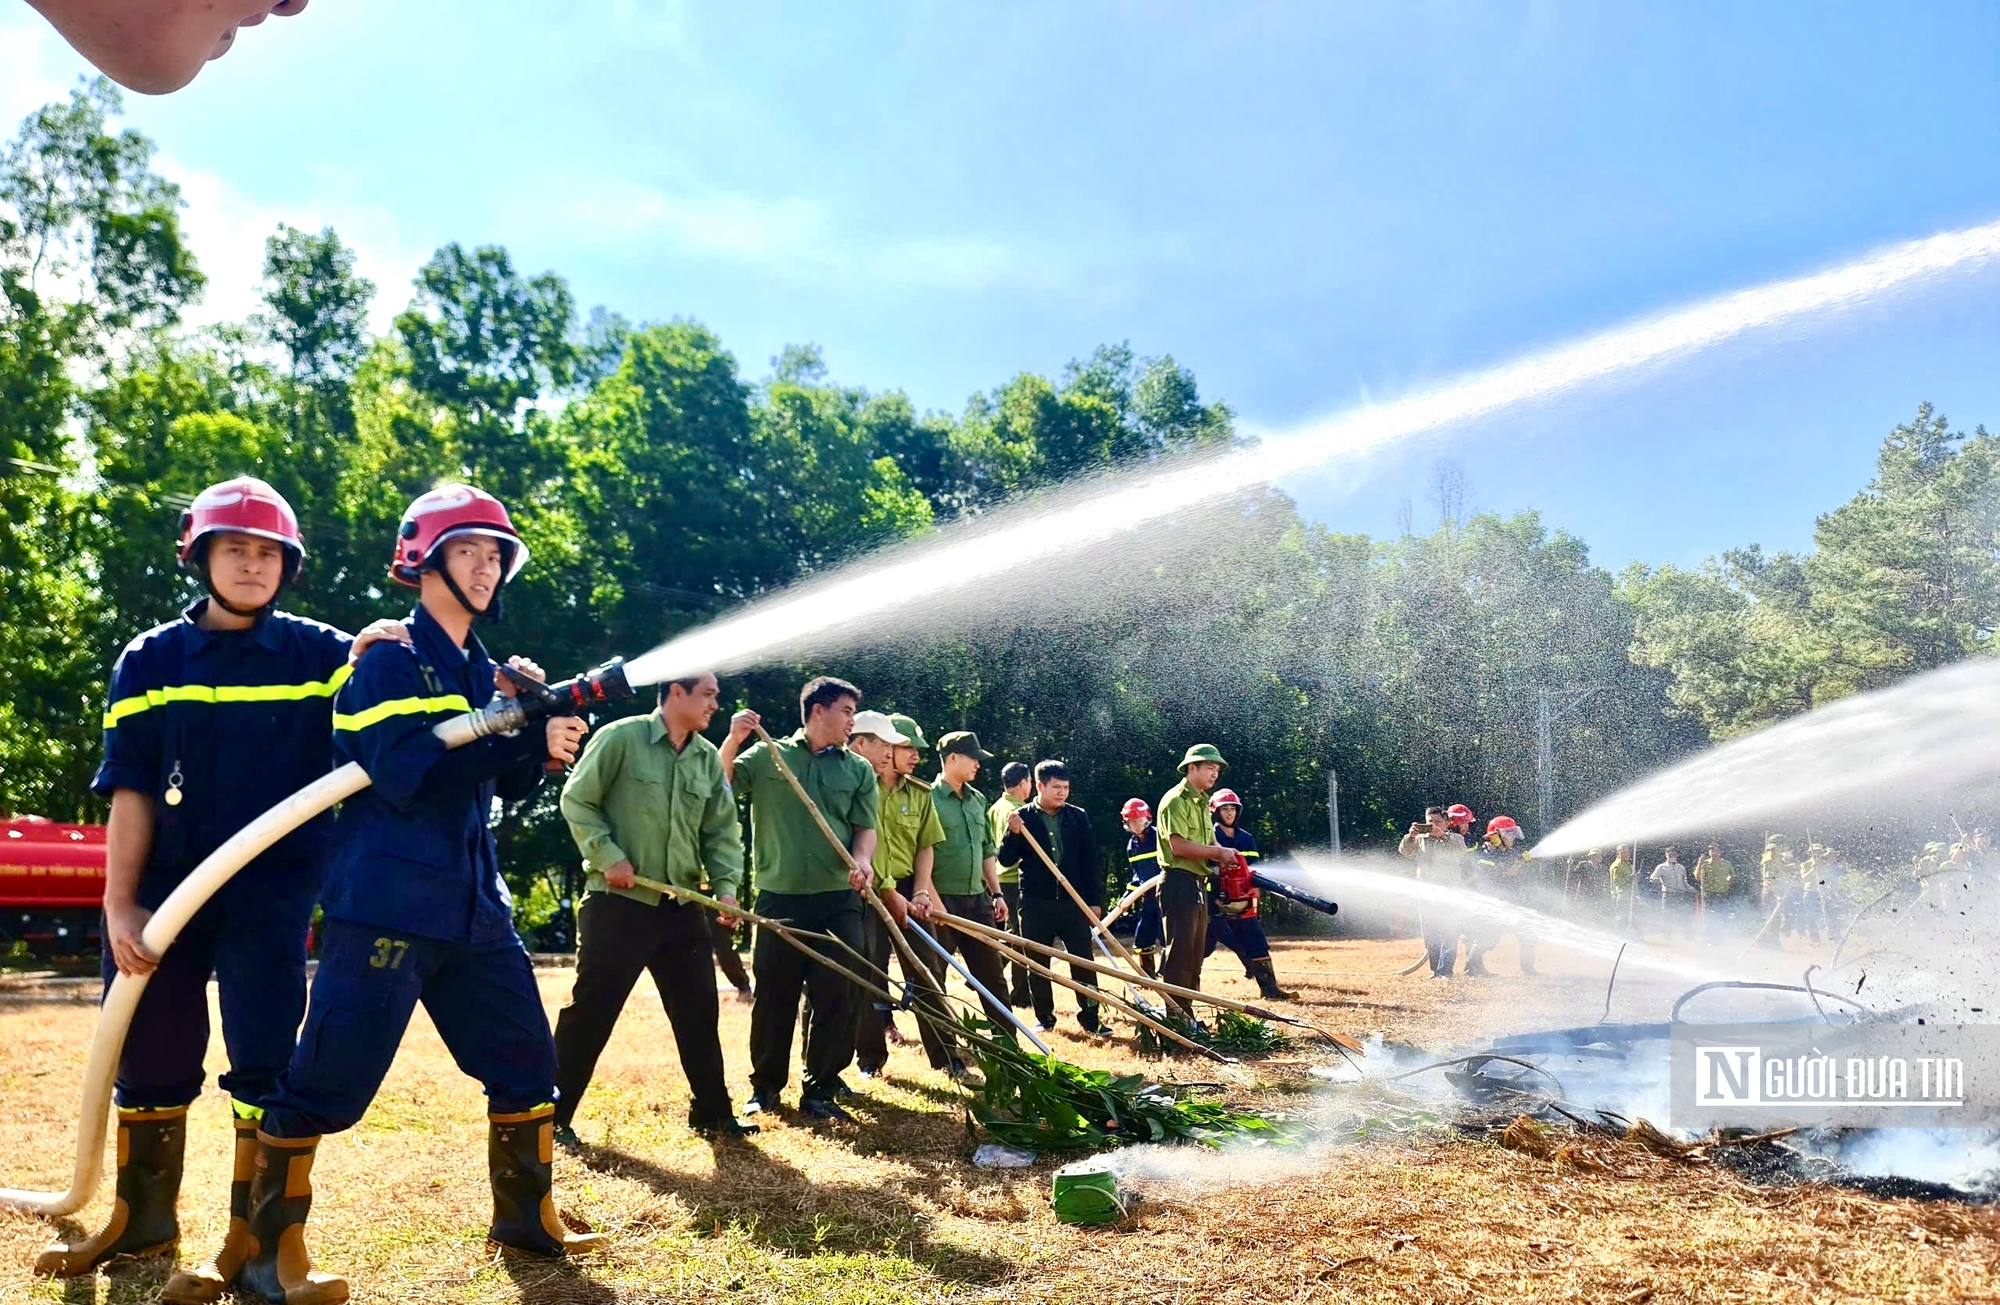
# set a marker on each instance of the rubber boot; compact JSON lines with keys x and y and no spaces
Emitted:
{"x":151,"y":1144}
{"x":1149,"y":961}
{"x":276,"y":1267}
{"x":1267,"y":981}
{"x":520,"y":1155}
{"x":206,"y":1284}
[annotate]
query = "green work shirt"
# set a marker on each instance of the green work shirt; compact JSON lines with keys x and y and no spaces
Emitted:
{"x":996,"y":824}
{"x":1184,"y":811}
{"x":960,"y":867}
{"x":909,"y":825}
{"x":1715,"y":877}
{"x":791,"y":854}
{"x":632,"y":797}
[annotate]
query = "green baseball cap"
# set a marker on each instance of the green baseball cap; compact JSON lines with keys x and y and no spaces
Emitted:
{"x":909,"y":729}
{"x":1201,"y":752}
{"x":963,"y":741}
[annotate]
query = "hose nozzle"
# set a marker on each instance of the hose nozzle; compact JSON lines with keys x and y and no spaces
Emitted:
{"x":572,"y":697}
{"x":534,"y":701}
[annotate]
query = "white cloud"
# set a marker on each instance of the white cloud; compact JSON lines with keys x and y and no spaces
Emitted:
{"x":36,"y":66}
{"x":788,"y":236}
{"x":965,"y":264}
{"x":615,"y":210}
{"x":656,"y":22}
{"x":227,"y":230}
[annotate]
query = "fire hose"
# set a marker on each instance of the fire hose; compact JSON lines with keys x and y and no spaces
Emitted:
{"x":1257,"y":877}
{"x":533,"y":704}
{"x":1289,"y":893}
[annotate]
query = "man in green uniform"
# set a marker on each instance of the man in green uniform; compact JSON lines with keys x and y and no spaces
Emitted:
{"x":1016,"y":782}
{"x":1715,"y":885}
{"x":647,"y":801}
{"x":1188,"y":850}
{"x":965,"y":875}
{"x":801,"y":878}
{"x":1621,"y":878}
{"x":1779,"y":876}
{"x":909,"y":836}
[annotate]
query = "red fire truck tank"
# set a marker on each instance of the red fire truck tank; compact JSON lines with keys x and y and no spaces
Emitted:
{"x":51,"y":887}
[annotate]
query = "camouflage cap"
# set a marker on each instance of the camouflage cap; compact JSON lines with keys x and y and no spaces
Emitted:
{"x":1201,"y":752}
{"x":909,"y":729}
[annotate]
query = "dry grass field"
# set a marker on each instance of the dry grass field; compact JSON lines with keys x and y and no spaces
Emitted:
{"x":891,"y":1209}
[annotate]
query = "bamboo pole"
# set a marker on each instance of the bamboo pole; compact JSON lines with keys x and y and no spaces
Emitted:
{"x":789,"y":933}
{"x":1126,"y":902}
{"x":1089,"y":912}
{"x":796,"y":938}
{"x":1158,"y":985}
{"x":1096,"y":995}
{"x":1758,"y":937}
{"x":914,"y":963}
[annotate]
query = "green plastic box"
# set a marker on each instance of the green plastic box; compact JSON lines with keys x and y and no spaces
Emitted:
{"x":1087,"y":1192}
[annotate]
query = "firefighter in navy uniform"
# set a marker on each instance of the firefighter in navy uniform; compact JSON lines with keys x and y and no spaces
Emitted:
{"x":1233,"y":899}
{"x":212,"y":719}
{"x":1142,"y":854}
{"x":416,"y":908}
{"x":1504,"y":870}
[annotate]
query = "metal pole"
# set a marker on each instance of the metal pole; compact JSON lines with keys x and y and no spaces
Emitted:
{"x":992,"y":1002}
{"x":1545,"y":764}
{"x":1333,"y":809}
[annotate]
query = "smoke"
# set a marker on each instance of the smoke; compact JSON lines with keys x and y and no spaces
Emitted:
{"x":1968,"y":1159}
{"x":953,"y":578}
{"x":1896,"y":747}
{"x":1624,"y":1072}
{"x":1238,"y":1163}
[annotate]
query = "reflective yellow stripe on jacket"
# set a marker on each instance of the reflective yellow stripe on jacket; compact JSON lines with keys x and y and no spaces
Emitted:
{"x":215,"y":693}
{"x":382,"y":711}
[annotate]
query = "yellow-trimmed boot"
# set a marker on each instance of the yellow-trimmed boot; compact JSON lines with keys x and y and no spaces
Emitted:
{"x":151,"y":1144}
{"x":520,"y":1155}
{"x":276,"y":1267}
{"x":206,"y":1284}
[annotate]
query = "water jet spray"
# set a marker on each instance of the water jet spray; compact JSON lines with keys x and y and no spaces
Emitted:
{"x":1929,"y":732}
{"x":949,"y":577}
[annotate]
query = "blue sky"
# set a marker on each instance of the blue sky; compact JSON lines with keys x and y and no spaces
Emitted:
{"x":1309,"y":205}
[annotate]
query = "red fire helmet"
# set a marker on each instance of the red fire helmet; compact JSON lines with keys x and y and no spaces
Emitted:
{"x":244,"y":506}
{"x":1135,"y":807}
{"x":1224,"y":797}
{"x":1500,"y":824}
{"x":1458,"y":814}
{"x":448,"y":511}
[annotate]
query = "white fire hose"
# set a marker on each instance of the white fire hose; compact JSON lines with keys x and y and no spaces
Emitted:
{"x":502,"y":715}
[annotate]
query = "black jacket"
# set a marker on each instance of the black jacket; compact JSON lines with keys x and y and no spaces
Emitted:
{"x":1078,"y":862}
